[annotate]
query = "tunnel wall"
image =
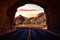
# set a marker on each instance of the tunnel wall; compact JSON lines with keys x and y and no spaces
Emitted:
{"x":8,"y":9}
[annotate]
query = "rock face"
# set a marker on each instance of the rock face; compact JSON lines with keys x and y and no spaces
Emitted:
{"x":38,"y":20}
{"x":51,"y":8}
{"x":19,"y":20}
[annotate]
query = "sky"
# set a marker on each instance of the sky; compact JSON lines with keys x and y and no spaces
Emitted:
{"x":29,"y":10}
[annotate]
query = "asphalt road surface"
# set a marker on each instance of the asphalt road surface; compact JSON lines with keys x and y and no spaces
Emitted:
{"x":29,"y":34}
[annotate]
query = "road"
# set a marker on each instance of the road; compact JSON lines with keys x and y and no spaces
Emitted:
{"x":29,"y":34}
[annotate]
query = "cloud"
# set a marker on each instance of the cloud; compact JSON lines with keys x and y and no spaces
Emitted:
{"x":27,"y":10}
{"x":30,"y":7}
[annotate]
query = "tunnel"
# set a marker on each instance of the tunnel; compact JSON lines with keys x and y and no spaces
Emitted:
{"x":8,"y":9}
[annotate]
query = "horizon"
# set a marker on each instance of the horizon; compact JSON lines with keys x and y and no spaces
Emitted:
{"x":30,"y":14}
{"x":29,"y":10}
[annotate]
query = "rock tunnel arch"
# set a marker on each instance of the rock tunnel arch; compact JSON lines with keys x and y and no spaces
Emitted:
{"x":13,"y":8}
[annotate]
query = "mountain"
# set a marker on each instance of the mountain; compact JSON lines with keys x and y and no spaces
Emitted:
{"x":19,"y":19}
{"x":40,"y":18}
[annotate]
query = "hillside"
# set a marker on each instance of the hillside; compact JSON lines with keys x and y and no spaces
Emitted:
{"x":40,"y":18}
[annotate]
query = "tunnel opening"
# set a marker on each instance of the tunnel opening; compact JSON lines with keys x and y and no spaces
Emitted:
{"x":30,"y":16}
{"x":35,"y":33}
